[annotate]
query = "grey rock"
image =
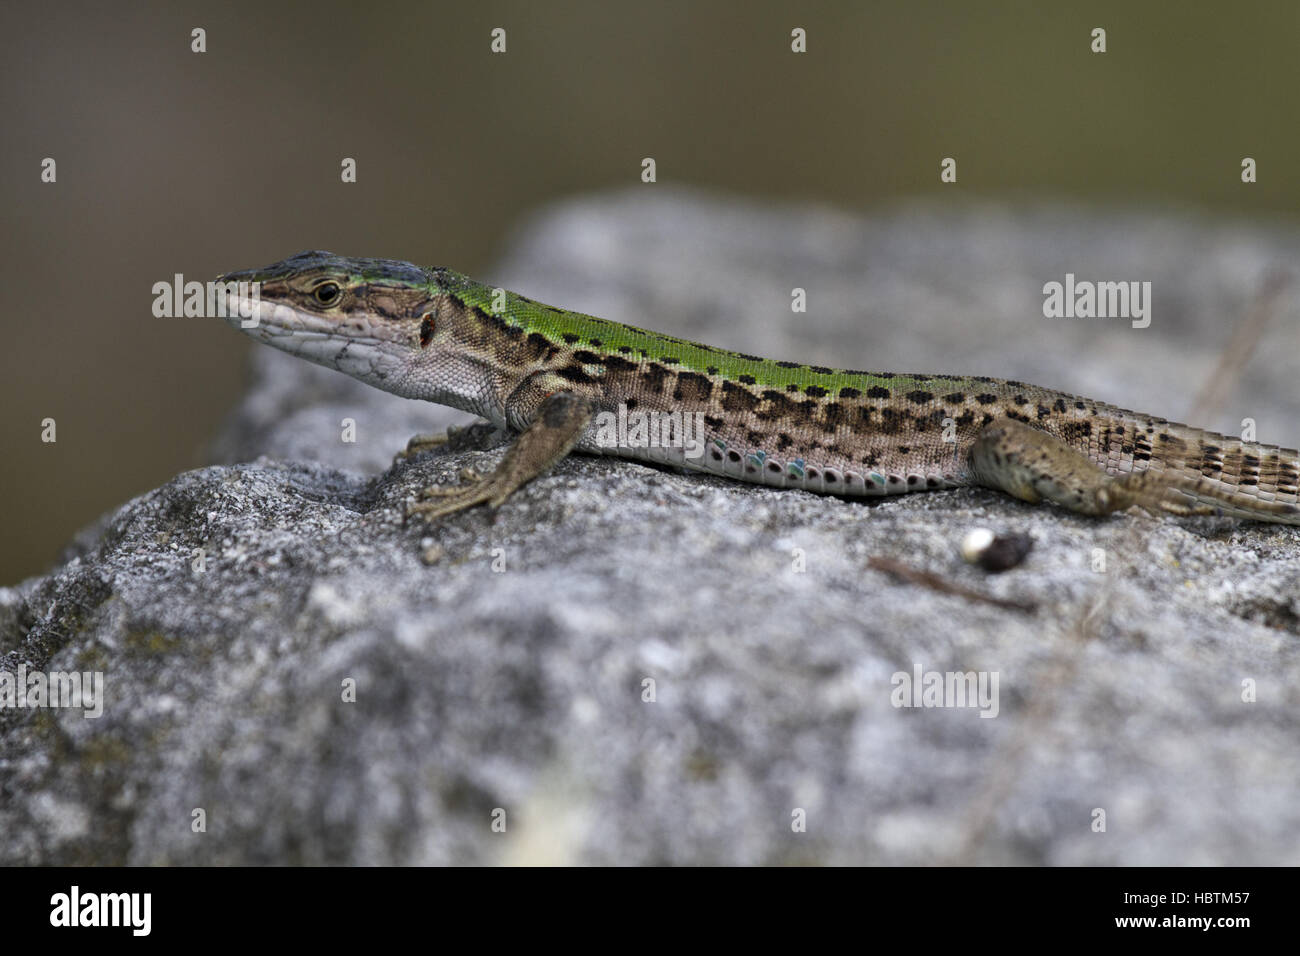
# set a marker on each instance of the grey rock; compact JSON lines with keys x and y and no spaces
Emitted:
{"x":500,"y":659}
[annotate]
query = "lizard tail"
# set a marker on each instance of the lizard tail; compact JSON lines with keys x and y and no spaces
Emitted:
{"x":1203,"y":496}
{"x":1205,"y":471}
{"x":1238,"y":479}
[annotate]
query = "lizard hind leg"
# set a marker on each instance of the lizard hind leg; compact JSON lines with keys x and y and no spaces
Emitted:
{"x":1034,"y":466}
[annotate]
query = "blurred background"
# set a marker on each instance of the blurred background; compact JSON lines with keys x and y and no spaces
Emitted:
{"x":170,"y":161}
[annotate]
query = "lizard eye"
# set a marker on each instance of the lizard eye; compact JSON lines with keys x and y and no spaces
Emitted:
{"x":327,"y":293}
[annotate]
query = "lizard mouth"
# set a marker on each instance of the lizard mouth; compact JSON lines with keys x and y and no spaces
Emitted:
{"x":352,"y":344}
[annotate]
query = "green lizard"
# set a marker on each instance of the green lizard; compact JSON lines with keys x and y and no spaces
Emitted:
{"x":549,"y":374}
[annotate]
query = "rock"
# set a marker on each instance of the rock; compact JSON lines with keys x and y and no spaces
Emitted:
{"x":501,"y":660}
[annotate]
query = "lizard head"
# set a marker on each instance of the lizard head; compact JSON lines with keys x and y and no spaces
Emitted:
{"x":375,"y":319}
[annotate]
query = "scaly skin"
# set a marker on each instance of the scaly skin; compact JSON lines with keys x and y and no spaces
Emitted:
{"x":434,"y":334}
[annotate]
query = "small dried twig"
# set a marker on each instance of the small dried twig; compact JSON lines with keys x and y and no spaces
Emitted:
{"x":928,"y":579}
{"x":1236,"y":353}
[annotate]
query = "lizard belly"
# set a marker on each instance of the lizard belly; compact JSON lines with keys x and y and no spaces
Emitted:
{"x":815,"y":470}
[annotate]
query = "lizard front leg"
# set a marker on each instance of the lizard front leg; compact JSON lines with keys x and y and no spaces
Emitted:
{"x":560,"y":421}
{"x":1034,"y":466}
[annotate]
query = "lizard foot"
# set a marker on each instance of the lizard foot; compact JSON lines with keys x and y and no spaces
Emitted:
{"x":420,"y":443}
{"x":449,"y":500}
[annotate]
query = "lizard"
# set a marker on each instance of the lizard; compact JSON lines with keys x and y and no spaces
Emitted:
{"x":548,"y":374}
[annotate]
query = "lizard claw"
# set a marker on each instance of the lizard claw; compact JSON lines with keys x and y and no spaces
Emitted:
{"x":468,"y":475}
{"x":457,"y":498}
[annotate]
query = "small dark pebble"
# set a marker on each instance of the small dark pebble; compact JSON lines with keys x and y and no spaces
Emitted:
{"x":1004,"y":552}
